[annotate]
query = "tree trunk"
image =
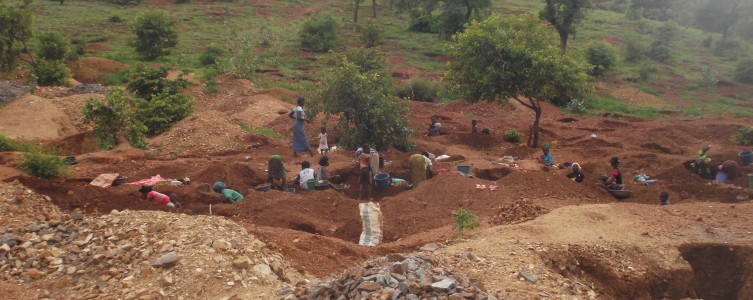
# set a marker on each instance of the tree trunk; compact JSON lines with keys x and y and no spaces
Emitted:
{"x":373,"y":7}
{"x":468,"y":11}
{"x":355,"y":12}
{"x":563,"y":41}
{"x":535,"y":128}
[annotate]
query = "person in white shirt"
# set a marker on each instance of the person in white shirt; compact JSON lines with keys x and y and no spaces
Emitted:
{"x":323,"y":146}
{"x":305,"y":174}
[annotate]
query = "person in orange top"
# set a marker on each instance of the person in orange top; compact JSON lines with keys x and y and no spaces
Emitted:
{"x":160,"y":199}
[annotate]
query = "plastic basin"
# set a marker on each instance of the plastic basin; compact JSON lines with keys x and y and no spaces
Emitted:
{"x":382,"y":181}
{"x":323,"y":185}
{"x":311,"y":184}
{"x":465,"y":169}
{"x":264,"y":188}
{"x":746,"y":157}
{"x":721,"y":177}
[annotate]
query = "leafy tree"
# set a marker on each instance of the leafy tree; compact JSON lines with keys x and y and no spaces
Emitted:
{"x":155,"y":34}
{"x":661,"y":48}
{"x":513,"y":57}
{"x":114,"y":120}
{"x":15,"y":31}
{"x":564,"y":15}
{"x":358,"y":88}
{"x":601,"y":55}
{"x":720,"y":16}
{"x":53,"y":46}
{"x":162,"y":110}
{"x":145,"y":82}
{"x":445,"y":17}
{"x":371,"y":33}
{"x":51,"y":72}
{"x":664,"y":7}
{"x":241,"y":58}
{"x":744,"y":71}
{"x":319,"y":33}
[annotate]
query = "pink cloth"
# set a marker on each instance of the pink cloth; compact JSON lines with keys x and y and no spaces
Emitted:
{"x":148,"y":182}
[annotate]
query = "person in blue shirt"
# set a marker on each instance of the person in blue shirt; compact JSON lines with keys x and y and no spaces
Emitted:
{"x":546,"y":158}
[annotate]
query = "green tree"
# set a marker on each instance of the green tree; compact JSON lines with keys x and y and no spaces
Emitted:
{"x":162,"y":110}
{"x":155,"y":34}
{"x":601,"y":55}
{"x":358,"y":88}
{"x":663,"y":7}
{"x":445,"y":17}
{"x":15,"y":31}
{"x":357,"y":4}
{"x":53,"y":46}
{"x":51,"y":72}
{"x":319,"y":33}
{"x":145,"y":82}
{"x":114,"y":120}
{"x":513,"y":57}
{"x":564,"y":15}
{"x":744,"y":71}
{"x":721,"y":15}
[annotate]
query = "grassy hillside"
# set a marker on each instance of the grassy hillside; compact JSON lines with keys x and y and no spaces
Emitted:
{"x":678,"y":82}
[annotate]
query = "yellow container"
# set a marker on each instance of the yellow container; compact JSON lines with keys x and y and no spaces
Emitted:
{"x":553,"y":145}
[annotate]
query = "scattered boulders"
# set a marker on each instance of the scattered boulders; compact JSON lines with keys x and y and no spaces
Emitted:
{"x":87,"y":88}
{"x":413,"y":277}
{"x":517,"y":212}
{"x":10,"y":91}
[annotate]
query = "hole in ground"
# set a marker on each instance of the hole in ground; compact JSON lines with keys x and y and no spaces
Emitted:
{"x":567,"y":120}
{"x":492,"y":174}
{"x":720,"y":271}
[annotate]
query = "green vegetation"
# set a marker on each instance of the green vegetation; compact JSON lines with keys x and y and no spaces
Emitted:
{"x":43,"y":165}
{"x":145,"y":82}
{"x":745,"y":136}
{"x":602,"y":56}
{"x":245,"y":127}
{"x":514,"y":58}
{"x":564,"y":15}
{"x":319,"y":33}
{"x":15,"y":30}
{"x":464,"y":220}
{"x":268,"y":132}
{"x":211,"y":55}
{"x":114,"y":120}
{"x":419,"y":89}
{"x":744,"y":72}
{"x":155,"y":34}
{"x":160,"y":111}
{"x":53,"y":46}
{"x":51,"y":72}
{"x":513,"y":136}
{"x":371,"y":33}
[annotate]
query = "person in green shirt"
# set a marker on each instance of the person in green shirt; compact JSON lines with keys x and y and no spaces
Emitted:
{"x":228,"y":195}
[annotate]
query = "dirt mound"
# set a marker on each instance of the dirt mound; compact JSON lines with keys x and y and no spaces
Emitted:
{"x":263,"y":110}
{"x":94,"y":69}
{"x":35,"y":118}
{"x":518,"y":211}
{"x":77,"y":144}
{"x":473,"y":140}
{"x":132,"y":254}
{"x":205,"y":133}
{"x":20,"y":205}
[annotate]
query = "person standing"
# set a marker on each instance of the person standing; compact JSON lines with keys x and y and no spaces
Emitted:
{"x":364,"y":170}
{"x":300,"y":140}
{"x":323,"y":146}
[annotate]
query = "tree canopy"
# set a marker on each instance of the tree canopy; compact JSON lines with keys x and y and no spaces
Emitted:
{"x":155,"y":33}
{"x":720,"y":15}
{"x":513,"y":57}
{"x":15,"y":31}
{"x":445,"y":17}
{"x":564,"y":15}
{"x":114,"y":120}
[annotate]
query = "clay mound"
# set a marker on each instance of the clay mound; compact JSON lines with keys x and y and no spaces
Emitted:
{"x":94,"y":69}
{"x":263,"y":110}
{"x":205,"y":133}
{"x":35,"y":118}
{"x":517,"y":212}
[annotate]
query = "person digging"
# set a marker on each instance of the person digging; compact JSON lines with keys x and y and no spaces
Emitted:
{"x":614,"y":182}
{"x":276,"y":172}
{"x":228,"y":195}
{"x":702,"y":166}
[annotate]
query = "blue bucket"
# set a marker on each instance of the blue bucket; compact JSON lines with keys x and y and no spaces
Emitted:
{"x":382,"y":182}
{"x":721,"y":177}
{"x":746,"y":157}
{"x":465,"y":169}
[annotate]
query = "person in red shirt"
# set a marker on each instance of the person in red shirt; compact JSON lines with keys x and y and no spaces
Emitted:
{"x":160,"y":199}
{"x":614,"y":182}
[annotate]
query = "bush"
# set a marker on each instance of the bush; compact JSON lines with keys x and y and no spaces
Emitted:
{"x":241,"y":59}
{"x":419,"y":89}
{"x":707,"y":76}
{"x":513,"y":136}
{"x":423,"y":21}
{"x":464,"y":220}
{"x":155,"y":34}
{"x":601,"y":55}
{"x":114,"y":119}
{"x":162,"y":110}
{"x":319,"y":33}
{"x":744,"y":136}
{"x":51,"y":73}
{"x":267,"y":35}
{"x":211,"y":55}
{"x":6,"y":144}
{"x":744,"y":71}
{"x":114,"y":18}
{"x":646,"y":72}
{"x":145,"y":82}
{"x":43,"y":165}
{"x":660,"y":52}
{"x":707,"y":42}
{"x":576,"y":106}
{"x":635,"y":50}
{"x":371,"y":34}
{"x":53,"y":46}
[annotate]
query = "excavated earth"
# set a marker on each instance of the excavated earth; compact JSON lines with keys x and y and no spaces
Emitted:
{"x":542,"y":236}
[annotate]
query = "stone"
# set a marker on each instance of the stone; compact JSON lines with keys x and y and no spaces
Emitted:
{"x":34,"y":273}
{"x":430,"y":247}
{"x":263,"y":270}
{"x":456,"y":296}
{"x":444,"y":286}
{"x":398,"y":268}
{"x":242,"y":262}
{"x":221,"y":245}
{"x":156,"y":227}
{"x":394,"y":257}
{"x":411,"y":297}
{"x":403,"y":288}
{"x":368,"y":286}
{"x":5,"y":248}
{"x":167,"y":260}
{"x":527,"y":276}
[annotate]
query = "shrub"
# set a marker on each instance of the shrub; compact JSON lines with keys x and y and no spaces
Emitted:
{"x":371,"y":33}
{"x":6,"y":144}
{"x":576,"y":106}
{"x":601,"y":55}
{"x":114,"y":119}
{"x":155,"y":34}
{"x":706,"y":76}
{"x":267,"y":35}
{"x":145,"y":82}
{"x":53,"y":46}
{"x":646,"y":72}
{"x":423,"y":21}
{"x":241,"y":59}
{"x":51,"y":73}
{"x":744,"y":136}
{"x":464,"y":220}
{"x":744,"y":71}
{"x":268,"y":132}
{"x":661,"y":52}
{"x":707,"y":42}
{"x":513,"y":136}
{"x":319,"y":33}
{"x":43,"y":165}
{"x":419,"y":89}
{"x":115,"y":18}
{"x":211,"y":55}
{"x":635,"y":50}
{"x":162,"y":110}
